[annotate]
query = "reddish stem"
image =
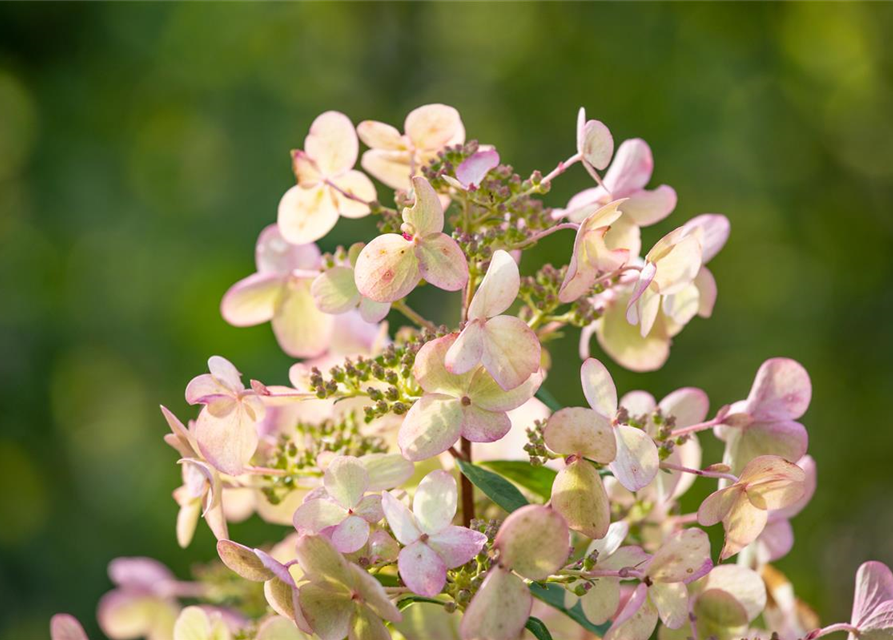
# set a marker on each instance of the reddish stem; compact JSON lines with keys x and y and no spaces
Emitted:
{"x":467,"y":487}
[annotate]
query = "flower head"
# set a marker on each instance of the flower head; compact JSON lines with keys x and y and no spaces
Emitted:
{"x":765,"y":484}
{"x":144,"y":601}
{"x":873,"y":601}
{"x":472,"y":171}
{"x":431,"y":543}
{"x":195,"y":623}
{"x":328,"y":186}
{"x":280,"y":293}
{"x":505,"y":345}
{"x":394,"y":158}
{"x":471,"y":405}
{"x":66,"y":627}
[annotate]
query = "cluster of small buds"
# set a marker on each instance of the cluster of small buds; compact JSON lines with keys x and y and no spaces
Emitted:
{"x":536,"y":445}
{"x":465,"y":581}
{"x":221,"y":587}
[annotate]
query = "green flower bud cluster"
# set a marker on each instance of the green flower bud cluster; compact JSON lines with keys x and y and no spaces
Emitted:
{"x":536,"y":445}
{"x":224,"y":588}
{"x":463,"y":582}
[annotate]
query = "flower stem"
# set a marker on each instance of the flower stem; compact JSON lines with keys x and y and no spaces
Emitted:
{"x":694,"y":428}
{"x":833,"y":628}
{"x":545,"y":232}
{"x":467,"y":487}
{"x":403,"y":308}
{"x":699,"y":472}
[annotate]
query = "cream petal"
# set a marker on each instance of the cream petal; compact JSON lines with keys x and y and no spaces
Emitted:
{"x":441,"y":262}
{"x":683,"y":557}
{"x":579,"y":496}
{"x":583,"y":432}
{"x":511,"y":351}
{"x":390,"y":167}
{"x":378,"y":135}
{"x":302,"y":330}
{"x":387,"y":268}
{"x":598,"y":387}
{"x":533,"y":541}
{"x":465,"y":353}
{"x":499,"y":610}
{"x":358,"y":185}
{"x":332,"y":143}
{"x":646,"y":208}
{"x":431,"y":426}
{"x":328,"y":614}
{"x":498,"y":289}
{"x":637,"y":460}
{"x":671,"y":601}
{"x":432,"y":126}
{"x":306,"y":214}
{"x":251,"y":300}
{"x":435,"y":501}
{"x":426,"y":214}
{"x":334,"y":291}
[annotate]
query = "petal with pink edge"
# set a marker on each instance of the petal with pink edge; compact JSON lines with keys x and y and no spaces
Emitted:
{"x":715,"y":230}
{"x":683,"y":557}
{"x":689,"y":405}
{"x":631,"y":169}
{"x":431,"y":426}
{"x":743,"y":524}
{"x":372,"y":311}
{"x":596,"y":144}
{"x":400,"y":519}
{"x":426,"y":214}
{"x":274,"y":254}
{"x":499,"y":610}
{"x":472,"y":170}
{"x":646,"y":208}
{"x":243,"y":561}
{"x":602,"y":600}
{"x":677,"y":264}
{"x":332,"y":143}
{"x":227,"y":441}
{"x":319,"y":558}
{"x":346,"y":481}
{"x":335,"y":290}
{"x":386,"y":470}
{"x":783,"y":438}
{"x":387,"y":268}
{"x":581,"y":431}
{"x":465,"y":353}
{"x":511,"y":351}
{"x":637,"y":460}
{"x":579,"y":496}
{"x":351,"y":534}
{"x":781,"y":391}
{"x":498,"y":289}
{"x":379,"y":135}
{"x":66,"y":627}
{"x":718,"y":505}
{"x":315,"y":515}
{"x":435,"y":501}
{"x":431,"y":373}
{"x":776,"y":541}
{"x":457,"y":545}
{"x":391,"y":167}
{"x":486,"y":393}
{"x":707,"y":292}
{"x":636,"y":620}
{"x":598,"y":387}
{"x":624,"y":343}
{"x":533,"y":541}
{"x":441,"y":262}
{"x":352,"y":193}
{"x":480,"y":425}
{"x":874,"y":589}
{"x":432,"y":126}
{"x":251,"y":300}
{"x":422,"y":570}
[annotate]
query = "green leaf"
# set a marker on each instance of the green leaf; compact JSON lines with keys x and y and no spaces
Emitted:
{"x":497,"y":488}
{"x":408,"y":601}
{"x":553,"y":595}
{"x":387,"y":580}
{"x":537,"y":479}
{"x":537,"y":628}
{"x":548,"y":399}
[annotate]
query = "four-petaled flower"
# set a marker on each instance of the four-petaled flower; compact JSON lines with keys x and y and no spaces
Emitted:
{"x":390,"y":266}
{"x":431,"y":543}
{"x":280,"y":293}
{"x":394,"y":158}
{"x":335,"y":291}
{"x":340,"y":508}
{"x":765,"y":484}
{"x":471,"y":405}
{"x":505,"y":345}
{"x":341,"y":599}
{"x":328,"y":186}
{"x":873,"y":602}
{"x":226,"y":428}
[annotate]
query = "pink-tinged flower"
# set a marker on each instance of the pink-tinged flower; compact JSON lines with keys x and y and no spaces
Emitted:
{"x":873,"y":602}
{"x":66,"y":627}
{"x":335,"y":292}
{"x":394,"y":158}
{"x":195,"y":623}
{"x":578,"y":494}
{"x":279,"y":628}
{"x":533,"y":543}
{"x":471,"y":172}
{"x":595,"y":144}
{"x":600,"y":602}
{"x":766,"y":483}
{"x":201,"y":494}
{"x":328,"y":186}
{"x":391,"y":266}
{"x":226,"y":429}
{"x":471,"y":405}
{"x":785,"y":613}
{"x":341,"y":509}
{"x":670,"y":266}
{"x":636,"y":461}
{"x":280,"y":588}
{"x":591,"y":256}
{"x":777,"y":538}
{"x":687,"y":406}
{"x":280,"y":293}
{"x":341,"y":599}
{"x":766,"y":423}
{"x":431,"y":543}
{"x":144,"y":601}
{"x":505,"y":345}
{"x":683,"y":558}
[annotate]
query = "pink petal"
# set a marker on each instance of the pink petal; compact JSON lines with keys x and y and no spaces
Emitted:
{"x":351,"y":534}
{"x":596,"y":144}
{"x":638,"y":403}
{"x":315,"y":515}
{"x":582,"y":432}
{"x":274,"y":254}
{"x":598,"y":387}
{"x":499,"y":610}
{"x":776,"y":541}
{"x":346,"y":481}
{"x":441,"y":262}
{"x":637,"y":460}
{"x":228,"y":442}
{"x":631,"y":169}
{"x":475,"y":168}
{"x":307,"y":213}
{"x":457,"y":545}
{"x":335,"y":291}
{"x":781,"y":391}
{"x":511,"y":351}
{"x":251,"y":300}
{"x":636,"y":620}
{"x":772,"y":482}
{"x":874,"y":587}
{"x":498,"y":289}
{"x":386,"y":470}
{"x":332,"y":143}
{"x":183,"y":440}
{"x":431,"y":373}
{"x":400,"y":519}
{"x":435,"y":500}
{"x":465,"y":353}
{"x":387,"y":268}
{"x":369,"y":509}
{"x":433,"y":125}
{"x":707,"y":292}
{"x":715,"y":230}
{"x":480,"y":425}
{"x":688,"y":405}
{"x":372,"y":311}
{"x":533,"y":541}
{"x":646,"y":208}
{"x":579,"y":496}
{"x":302,"y":330}
{"x":683,"y":557}
{"x":432,"y":426}
{"x":717,"y":505}
{"x":787,"y":439}
{"x":743,"y":524}
{"x":139,"y":573}
{"x":425,"y":217}
{"x":206,"y":388}
{"x":66,"y":627}
{"x":423,"y":571}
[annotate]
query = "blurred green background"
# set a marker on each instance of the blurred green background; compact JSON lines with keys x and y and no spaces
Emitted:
{"x":143,"y":147}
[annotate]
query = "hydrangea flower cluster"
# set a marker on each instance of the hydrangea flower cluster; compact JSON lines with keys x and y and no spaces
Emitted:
{"x":427,"y":484}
